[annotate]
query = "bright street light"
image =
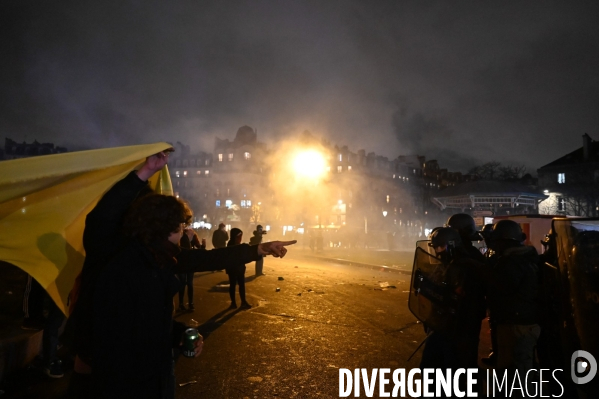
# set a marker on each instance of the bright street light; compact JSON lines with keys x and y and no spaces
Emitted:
{"x":310,"y":164}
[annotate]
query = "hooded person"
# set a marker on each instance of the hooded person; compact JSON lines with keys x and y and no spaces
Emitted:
{"x":236,"y":273}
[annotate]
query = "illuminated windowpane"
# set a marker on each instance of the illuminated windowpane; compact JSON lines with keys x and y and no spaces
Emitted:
{"x":220,"y":157}
{"x":561,"y":178}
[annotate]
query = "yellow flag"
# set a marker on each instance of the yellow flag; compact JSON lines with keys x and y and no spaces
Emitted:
{"x":44,"y":201}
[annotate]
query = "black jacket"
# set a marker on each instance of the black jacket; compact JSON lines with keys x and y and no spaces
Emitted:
{"x":102,"y":238}
{"x":219,"y":238}
{"x":513,"y":286}
{"x":133,"y":326}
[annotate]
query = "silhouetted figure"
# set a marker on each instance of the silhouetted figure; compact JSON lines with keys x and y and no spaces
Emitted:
{"x":255,"y":240}
{"x":236,"y":273}
{"x":189,"y":240}
{"x":220,"y":237}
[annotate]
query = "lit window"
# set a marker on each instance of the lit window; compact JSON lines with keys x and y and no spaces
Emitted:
{"x":207,"y":162}
{"x":339,"y":169}
{"x":230,"y":157}
{"x":206,"y":172}
{"x":199,"y":172}
{"x":340,"y":157}
{"x":387,"y":199}
{"x":220,"y":157}
{"x":228,"y":203}
{"x":394,"y":176}
{"x":243,"y":203}
{"x":561,"y":204}
{"x":218,"y":203}
{"x":561,"y":178}
{"x":177,"y":173}
{"x":247,"y":155}
{"x":218,"y":191}
{"x":248,"y":203}
{"x":349,"y":168}
{"x":184,"y":173}
{"x":328,"y":168}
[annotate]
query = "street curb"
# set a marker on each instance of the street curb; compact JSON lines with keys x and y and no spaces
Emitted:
{"x":381,"y":268}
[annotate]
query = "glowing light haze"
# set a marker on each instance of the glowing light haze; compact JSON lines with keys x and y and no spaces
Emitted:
{"x":310,"y":164}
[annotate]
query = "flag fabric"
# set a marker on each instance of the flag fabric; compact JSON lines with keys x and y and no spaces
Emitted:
{"x":44,"y":201}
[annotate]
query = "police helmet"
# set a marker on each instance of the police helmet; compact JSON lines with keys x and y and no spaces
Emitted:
{"x":464,"y":224}
{"x":486,"y":231}
{"x":445,"y":236}
{"x":507,"y":230}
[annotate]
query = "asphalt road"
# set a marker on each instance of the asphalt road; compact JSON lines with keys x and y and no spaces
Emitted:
{"x":292,"y":343}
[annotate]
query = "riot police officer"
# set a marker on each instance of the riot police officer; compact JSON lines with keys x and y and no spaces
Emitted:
{"x":466,"y":228}
{"x":512,"y":286}
{"x":454,"y":344}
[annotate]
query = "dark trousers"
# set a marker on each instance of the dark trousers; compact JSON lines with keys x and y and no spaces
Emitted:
{"x":186,"y":281}
{"x":259,"y":266}
{"x":51,"y":330}
{"x":237,"y":276}
{"x":33,"y":300}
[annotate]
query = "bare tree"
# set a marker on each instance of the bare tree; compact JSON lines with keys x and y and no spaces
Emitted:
{"x":495,"y":171}
{"x":580,"y":193}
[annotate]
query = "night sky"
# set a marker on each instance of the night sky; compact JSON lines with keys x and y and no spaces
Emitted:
{"x":462,"y":82}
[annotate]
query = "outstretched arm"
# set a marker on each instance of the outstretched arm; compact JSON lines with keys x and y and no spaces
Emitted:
{"x":195,"y":260}
{"x":274,"y":248}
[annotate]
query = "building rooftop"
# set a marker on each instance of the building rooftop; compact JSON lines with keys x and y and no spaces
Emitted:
{"x":590,"y":146}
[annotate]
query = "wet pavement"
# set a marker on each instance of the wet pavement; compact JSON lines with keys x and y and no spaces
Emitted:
{"x":326,"y":316}
{"x":321,"y":317}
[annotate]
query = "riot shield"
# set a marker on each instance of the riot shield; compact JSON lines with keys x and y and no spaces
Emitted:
{"x":577,"y":242}
{"x":430,"y":300}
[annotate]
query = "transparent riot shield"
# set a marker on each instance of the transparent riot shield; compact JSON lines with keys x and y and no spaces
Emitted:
{"x":430,"y":300}
{"x":577,"y":242}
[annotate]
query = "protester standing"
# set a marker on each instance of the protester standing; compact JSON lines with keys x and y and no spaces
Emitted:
{"x":133,"y":299}
{"x":220,"y":236}
{"x":189,"y":240}
{"x":255,"y":240}
{"x":236,"y":273}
